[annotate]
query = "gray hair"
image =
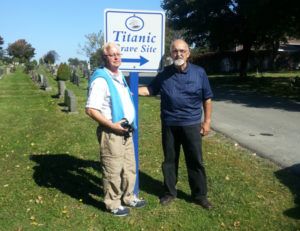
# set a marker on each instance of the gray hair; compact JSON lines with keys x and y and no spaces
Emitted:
{"x":107,"y":46}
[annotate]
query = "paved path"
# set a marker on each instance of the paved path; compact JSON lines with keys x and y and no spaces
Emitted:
{"x":269,"y":126}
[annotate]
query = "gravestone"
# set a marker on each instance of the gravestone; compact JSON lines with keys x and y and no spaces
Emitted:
{"x":77,"y":80}
{"x":70,"y":102}
{"x":41,"y":80}
{"x":8,"y":70}
{"x":46,"y":86}
{"x":73,"y":76}
{"x":61,"y":88}
{"x":1,"y":73}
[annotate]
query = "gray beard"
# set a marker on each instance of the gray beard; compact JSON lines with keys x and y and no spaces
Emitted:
{"x":178,"y":62}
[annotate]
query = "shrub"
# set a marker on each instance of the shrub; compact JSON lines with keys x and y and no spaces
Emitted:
{"x":63,"y":72}
{"x":28,"y":66}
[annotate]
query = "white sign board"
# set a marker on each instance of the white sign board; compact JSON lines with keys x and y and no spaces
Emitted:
{"x":140,"y":35}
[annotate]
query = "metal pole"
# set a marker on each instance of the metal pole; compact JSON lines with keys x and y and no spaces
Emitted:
{"x":134,"y":84}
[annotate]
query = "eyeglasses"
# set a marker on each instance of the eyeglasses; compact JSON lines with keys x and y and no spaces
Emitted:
{"x":179,"y":51}
{"x":114,"y":55}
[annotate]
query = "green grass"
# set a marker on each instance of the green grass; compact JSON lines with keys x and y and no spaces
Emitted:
{"x":270,"y":83}
{"x":50,"y":177}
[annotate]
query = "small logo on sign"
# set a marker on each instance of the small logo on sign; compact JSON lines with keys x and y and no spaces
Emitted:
{"x":134,"y":23}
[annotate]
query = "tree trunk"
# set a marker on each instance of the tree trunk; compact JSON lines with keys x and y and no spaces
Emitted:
{"x":244,"y":59}
{"x":275,"y":48}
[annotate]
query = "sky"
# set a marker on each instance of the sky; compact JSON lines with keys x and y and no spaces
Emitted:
{"x":59,"y":25}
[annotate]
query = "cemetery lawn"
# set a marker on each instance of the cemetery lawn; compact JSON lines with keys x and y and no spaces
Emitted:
{"x":50,"y":172}
{"x":271,"y":83}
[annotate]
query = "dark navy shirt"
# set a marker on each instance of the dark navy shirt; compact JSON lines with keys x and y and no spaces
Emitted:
{"x":182,"y":93}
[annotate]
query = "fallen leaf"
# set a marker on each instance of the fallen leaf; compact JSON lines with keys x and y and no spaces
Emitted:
{"x":131,"y":221}
{"x":236,"y":224}
{"x":259,"y":196}
{"x":227,"y":178}
{"x":223,"y":225}
{"x":32,"y":218}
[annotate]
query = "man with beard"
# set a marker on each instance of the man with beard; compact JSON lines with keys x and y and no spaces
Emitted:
{"x":183,"y":88}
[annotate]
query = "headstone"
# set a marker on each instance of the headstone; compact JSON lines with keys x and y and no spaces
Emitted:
{"x":77,"y":80}
{"x":46,"y":85}
{"x":73,"y":76}
{"x":41,"y":80}
{"x":8,"y":70}
{"x":61,"y":88}
{"x":70,"y":101}
{"x":72,"y":104}
{"x":55,"y":71}
{"x":1,"y":73}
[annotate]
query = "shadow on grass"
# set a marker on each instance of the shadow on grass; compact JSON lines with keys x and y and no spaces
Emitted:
{"x":69,"y":175}
{"x":288,"y":177}
{"x":156,"y":188}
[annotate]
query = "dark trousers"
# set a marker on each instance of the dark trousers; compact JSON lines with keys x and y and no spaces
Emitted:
{"x":190,"y":139}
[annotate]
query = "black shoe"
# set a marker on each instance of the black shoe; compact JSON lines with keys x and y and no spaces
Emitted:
{"x":166,"y":200}
{"x":205,"y":204}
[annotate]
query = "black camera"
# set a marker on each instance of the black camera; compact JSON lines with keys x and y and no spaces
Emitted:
{"x":128,"y":126}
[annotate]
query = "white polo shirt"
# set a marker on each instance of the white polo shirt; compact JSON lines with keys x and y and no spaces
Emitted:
{"x":99,"y":97}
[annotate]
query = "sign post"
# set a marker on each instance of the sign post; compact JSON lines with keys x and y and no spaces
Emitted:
{"x":140,"y":36}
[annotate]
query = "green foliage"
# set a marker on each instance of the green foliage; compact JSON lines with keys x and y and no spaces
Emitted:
{"x":1,"y":50}
{"x":28,"y":67}
{"x":63,"y":72}
{"x":16,"y":60}
{"x":1,"y":42}
{"x":96,"y":59}
{"x":50,"y":57}
{"x":34,"y":62}
{"x":223,"y":24}
{"x":77,"y":62}
{"x":21,"y":50}
{"x":92,"y":48}
{"x":41,"y":61}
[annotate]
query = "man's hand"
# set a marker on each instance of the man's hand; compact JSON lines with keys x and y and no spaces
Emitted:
{"x":117,"y":127}
{"x":205,"y":128}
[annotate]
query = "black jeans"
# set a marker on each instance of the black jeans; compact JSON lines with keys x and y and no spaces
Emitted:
{"x":191,"y":140}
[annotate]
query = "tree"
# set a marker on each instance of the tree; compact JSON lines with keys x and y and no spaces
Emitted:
{"x":170,"y":36}
{"x":21,"y":50}
{"x":95,"y":42}
{"x":222,"y":24}
{"x":1,"y":51}
{"x":92,"y":48}
{"x":41,"y":61}
{"x":50,"y":57}
{"x":96,"y":59}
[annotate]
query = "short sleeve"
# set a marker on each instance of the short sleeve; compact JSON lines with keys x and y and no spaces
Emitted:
{"x":98,"y":91}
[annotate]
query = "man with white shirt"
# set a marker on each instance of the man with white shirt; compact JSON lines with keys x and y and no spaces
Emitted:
{"x":110,"y":104}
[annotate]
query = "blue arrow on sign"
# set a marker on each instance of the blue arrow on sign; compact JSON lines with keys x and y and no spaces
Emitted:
{"x":141,"y":60}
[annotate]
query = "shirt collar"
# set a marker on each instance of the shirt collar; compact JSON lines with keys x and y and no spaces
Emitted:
{"x":112,"y":75}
